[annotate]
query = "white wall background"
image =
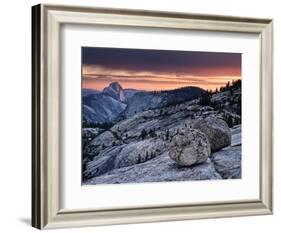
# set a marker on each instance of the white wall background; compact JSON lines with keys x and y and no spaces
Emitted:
{"x":15,"y":117}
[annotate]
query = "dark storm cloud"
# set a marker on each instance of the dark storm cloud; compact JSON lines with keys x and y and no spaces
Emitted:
{"x":163,"y":61}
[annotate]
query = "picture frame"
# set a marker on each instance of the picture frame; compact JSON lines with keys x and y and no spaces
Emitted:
{"x":47,"y":21}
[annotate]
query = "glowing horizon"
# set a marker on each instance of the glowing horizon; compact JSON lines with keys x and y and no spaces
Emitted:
{"x":157,"y":69}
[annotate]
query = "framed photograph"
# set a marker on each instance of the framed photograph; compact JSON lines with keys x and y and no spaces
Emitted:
{"x":142,"y":116}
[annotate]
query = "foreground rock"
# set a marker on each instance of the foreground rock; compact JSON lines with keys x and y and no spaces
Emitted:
{"x":236,"y":136}
{"x":124,"y":155}
{"x":216,"y":130}
{"x":228,"y":162}
{"x":132,"y":163}
{"x":158,"y":169}
{"x":189,"y":147}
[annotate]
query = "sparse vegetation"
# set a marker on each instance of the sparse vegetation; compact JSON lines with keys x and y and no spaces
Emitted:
{"x":167,"y":135}
{"x":105,"y":126}
{"x":152,"y":133}
{"x":143,"y":134}
{"x":205,"y":100}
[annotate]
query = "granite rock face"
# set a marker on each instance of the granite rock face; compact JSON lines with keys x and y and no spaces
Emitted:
{"x":189,"y":147}
{"x":131,"y":164}
{"x":228,"y":162}
{"x":88,"y":134}
{"x":101,"y":142}
{"x":124,"y":155}
{"x":236,"y":136}
{"x":150,"y":160}
{"x":101,"y":108}
{"x":159,"y":169}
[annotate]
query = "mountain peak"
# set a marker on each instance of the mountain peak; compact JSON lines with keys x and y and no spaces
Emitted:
{"x":115,"y":90}
{"x":115,"y":85}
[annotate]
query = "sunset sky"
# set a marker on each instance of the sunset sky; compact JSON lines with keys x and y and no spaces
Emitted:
{"x":157,"y":69}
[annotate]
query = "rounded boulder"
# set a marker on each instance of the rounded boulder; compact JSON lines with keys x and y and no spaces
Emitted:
{"x":189,"y":147}
{"x":216,"y":130}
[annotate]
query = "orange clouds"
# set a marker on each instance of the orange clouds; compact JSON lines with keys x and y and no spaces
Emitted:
{"x":98,"y":77}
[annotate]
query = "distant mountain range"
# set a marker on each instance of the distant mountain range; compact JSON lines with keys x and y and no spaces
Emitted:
{"x":142,"y":101}
{"x":86,"y":92}
{"x":105,"y":106}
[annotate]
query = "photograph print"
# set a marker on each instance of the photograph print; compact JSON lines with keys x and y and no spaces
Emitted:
{"x":160,"y":115}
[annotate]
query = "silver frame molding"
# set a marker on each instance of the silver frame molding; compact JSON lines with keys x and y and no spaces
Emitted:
{"x":46,"y":23}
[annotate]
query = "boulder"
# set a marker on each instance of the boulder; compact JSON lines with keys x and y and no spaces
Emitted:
{"x":189,"y":147}
{"x":216,"y":130}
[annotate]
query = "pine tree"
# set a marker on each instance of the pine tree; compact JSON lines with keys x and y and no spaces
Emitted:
{"x":228,"y":84}
{"x":143,"y":134}
{"x":146,"y":155}
{"x":167,"y":135}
